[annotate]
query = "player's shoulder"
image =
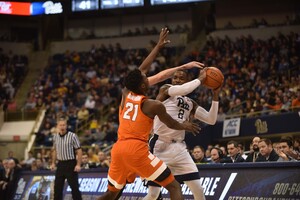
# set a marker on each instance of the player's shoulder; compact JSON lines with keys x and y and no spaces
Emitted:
{"x":71,"y":133}
{"x":153,"y":103}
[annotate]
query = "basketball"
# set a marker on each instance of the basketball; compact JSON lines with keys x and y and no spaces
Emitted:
{"x":214,"y":78}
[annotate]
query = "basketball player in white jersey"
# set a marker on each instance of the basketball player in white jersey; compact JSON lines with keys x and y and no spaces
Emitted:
{"x":168,"y":144}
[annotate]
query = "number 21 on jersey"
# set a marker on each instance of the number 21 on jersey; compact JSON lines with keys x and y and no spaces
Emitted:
{"x":131,"y":111}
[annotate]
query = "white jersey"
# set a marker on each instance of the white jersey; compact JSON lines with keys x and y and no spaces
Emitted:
{"x":179,"y":108}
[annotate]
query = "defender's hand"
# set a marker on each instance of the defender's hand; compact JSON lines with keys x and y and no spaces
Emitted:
{"x":191,"y":127}
{"x":163,"y":38}
{"x":192,"y":64}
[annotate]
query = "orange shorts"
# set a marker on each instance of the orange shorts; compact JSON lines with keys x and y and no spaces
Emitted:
{"x":131,"y":158}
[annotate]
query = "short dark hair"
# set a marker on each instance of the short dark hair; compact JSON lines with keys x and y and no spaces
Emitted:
{"x":266,"y":140}
{"x":235,"y":143}
{"x":288,"y":141}
{"x":133,"y":80}
{"x":200,"y":147}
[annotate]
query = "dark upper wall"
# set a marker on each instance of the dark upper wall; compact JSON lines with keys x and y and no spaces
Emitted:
{"x":241,"y":13}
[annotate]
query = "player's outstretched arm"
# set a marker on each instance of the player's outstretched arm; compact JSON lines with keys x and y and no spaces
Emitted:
{"x":165,"y":74}
{"x":144,"y":67}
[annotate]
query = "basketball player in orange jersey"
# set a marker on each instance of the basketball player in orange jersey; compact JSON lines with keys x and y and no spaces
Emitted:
{"x":130,"y":154}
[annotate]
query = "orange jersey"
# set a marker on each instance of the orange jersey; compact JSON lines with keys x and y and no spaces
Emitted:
{"x":130,"y":155}
{"x":134,"y":124}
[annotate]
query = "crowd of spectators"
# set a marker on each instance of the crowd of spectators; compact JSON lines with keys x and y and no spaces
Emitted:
{"x":286,"y":149}
{"x":12,"y":71}
{"x":261,"y":77}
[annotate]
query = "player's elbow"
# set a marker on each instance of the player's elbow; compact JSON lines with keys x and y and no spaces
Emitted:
{"x":212,"y":121}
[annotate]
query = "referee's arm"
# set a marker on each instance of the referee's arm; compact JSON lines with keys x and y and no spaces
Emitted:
{"x":53,"y":158}
{"x":79,"y":158}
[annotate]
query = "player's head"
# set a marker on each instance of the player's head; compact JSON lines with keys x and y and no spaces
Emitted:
{"x":136,"y":82}
{"x":180,"y":77}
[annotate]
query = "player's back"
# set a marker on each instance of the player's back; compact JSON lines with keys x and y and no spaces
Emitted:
{"x":134,"y":124}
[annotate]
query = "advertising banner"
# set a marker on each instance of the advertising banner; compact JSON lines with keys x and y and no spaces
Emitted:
{"x":27,"y":9}
{"x":14,"y":8}
{"x":231,"y":127}
{"x":242,"y":181}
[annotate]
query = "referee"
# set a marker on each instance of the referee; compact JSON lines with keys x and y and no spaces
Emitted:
{"x":65,"y":148}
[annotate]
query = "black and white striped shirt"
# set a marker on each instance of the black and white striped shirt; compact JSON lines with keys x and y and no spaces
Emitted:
{"x":65,"y":146}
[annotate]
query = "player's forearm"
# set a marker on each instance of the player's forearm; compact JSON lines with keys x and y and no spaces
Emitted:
{"x":184,"y":89}
{"x":208,"y":117}
{"x":162,"y":76}
{"x":144,"y":67}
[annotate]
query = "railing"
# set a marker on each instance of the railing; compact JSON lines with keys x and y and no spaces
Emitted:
{"x":20,"y":115}
{"x":264,"y":112}
{"x":1,"y":116}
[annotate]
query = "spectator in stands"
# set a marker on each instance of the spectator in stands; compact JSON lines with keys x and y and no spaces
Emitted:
{"x":94,"y":125}
{"x":85,"y":164}
{"x":224,"y":150}
{"x":296,"y":101}
{"x":198,"y":155}
{"x":33,"y":166}
{"x":12,"y":174}
{"x":40,"y":103}
{"x":88,"y":138}
{"x":216,"y":155}
{"x":234,"y":153}
{"x":40,"y":164}
{"x":4,"y":178}
{"x":286,"y":104}
{"x":267,"y":151}
{"x":82,"y":115}
{"x":90,"y":104}
{"x":30,"y":103}
{"x":221,"y":115}
{"x":277,"y":106}
{"x":93,"y":158}
{"x":26,"y":163}
{"x":207,"y":154}
{"x":254,"y":152}
{"x":11,"y":156}
{"x":296,"y":144}
{"x":242,"y":150}
{"x":9,"y":88}
{"x":103,"y":161}
{"x":47,"y":134}
{"x":286,"y":151}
